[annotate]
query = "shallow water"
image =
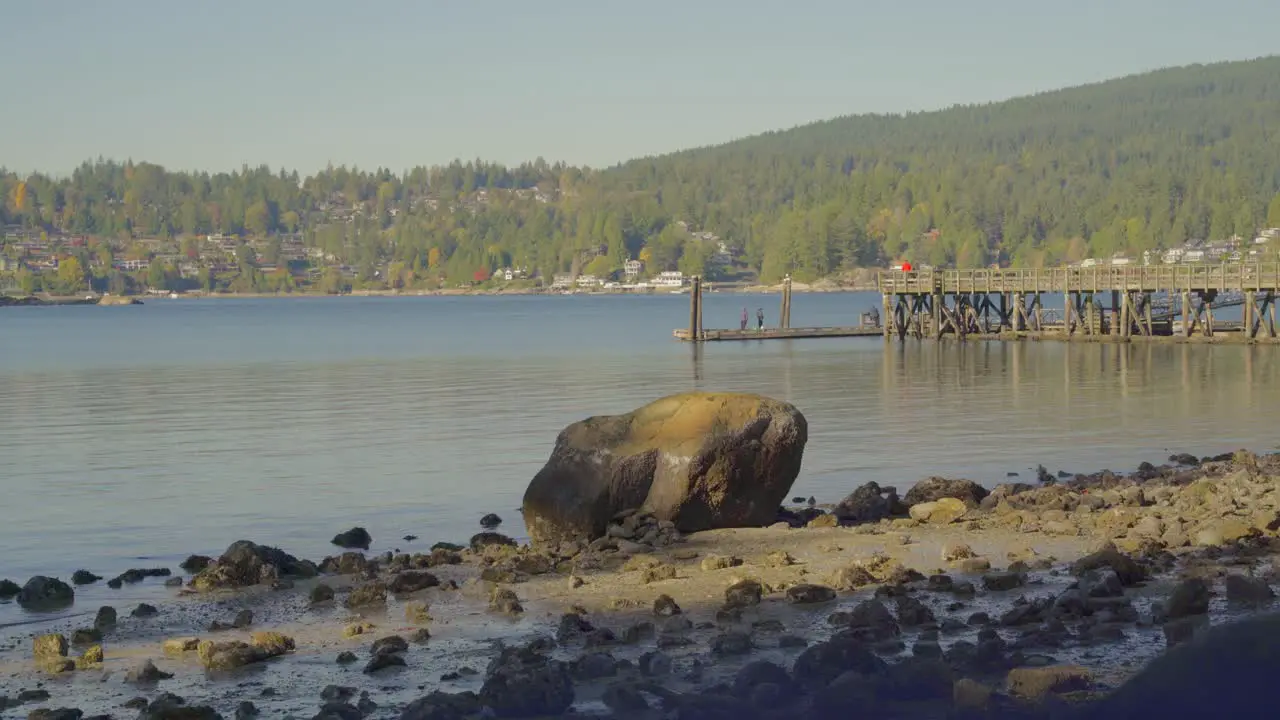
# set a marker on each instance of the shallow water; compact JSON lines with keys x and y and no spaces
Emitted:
{"x":131,"y":437}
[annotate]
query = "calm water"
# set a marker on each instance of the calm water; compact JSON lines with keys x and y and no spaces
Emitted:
{"x":183,"y":425}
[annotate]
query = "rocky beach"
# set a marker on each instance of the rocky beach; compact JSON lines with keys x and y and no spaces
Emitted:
{"x":654,"y":587}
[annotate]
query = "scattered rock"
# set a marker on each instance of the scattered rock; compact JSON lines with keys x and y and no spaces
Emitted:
{"x":389,"y":645}
{"x":868,"y":503}
{"x":1189,"y":597}
{"x":506,"y":602}
{"x":8,"y":589}
{"x":658,"y":573}
{"x":970,"y":695}
{"x":939,"y":512}
{"x":178,"y":646}
{"x":719,"y":562}
{"x":133,"y":576}
{"x":84,"y":577}
{"x":1001,"y":582}
{"x":480,"y":541}
{"x":196,"y":563}
{"x":1248,"y":591}
{"x":701,"y":442}
{"x":490,"y":521}
{"x":234,"y":654}
{"x":665,"y":606}
{"x":45,"y":593}
{"x":321,"y":593}
{"x":411,"y":581}
{"x":346,"y":657}
{"x":146,"y":673}
{"x":806,"y":594}
{"x":356,"y":538}
{"x":936,"y":488}
{"x":954,"y":551}
{"x":743,"y":593}
{"x":1036,"y":682}
{"x":246,"y":563}
{"x":86,"y":636}
{"x":377,"y":663}
{"x":369,"y":594}
{"x":524,"y":683}
{"x":145,"y":611}
{"x":105,"y":619}
{"x":848,"y":579}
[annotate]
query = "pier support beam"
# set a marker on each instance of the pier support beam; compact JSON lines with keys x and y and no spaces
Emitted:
{"x":784,"y":313}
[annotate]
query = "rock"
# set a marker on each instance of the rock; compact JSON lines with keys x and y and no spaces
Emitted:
{"x":1034,"y":683}
{"x":1224,"y":532}
{"x":389,"y":645}
{"x":506,"y":602}
{"x":245,"y":710}
{"x":973,"y":565}
{"x":1001,"y":582}
{"x":55,"y":714}
{"x":913,"y":613}
{"x":868,"y":503}
{"x":1129,"y":571}
{"x":490,"y":521}
{"x":86,"y":636}
{"x":623,"y":699}
{"x":442,"y":706}
{"x":133,"y":576}
{"x":731,"y":643}
{"x":665,"y":606}
{"x":848,"y":579}
{"x":654,"y":664}
{"x":178,"y":646}
{"x":8,"y":589}
{"x":411,"y":581}
{"x":938,"y":512}
{"x":521,"y":683}
{"x":234,"y":654}
{"x":91,"y":657}
{"x":145,"y":611}
{"x":106,"y":618}
{"x":936,"y":488}
{"x":321,"y":593}
{"x":743,"y":593}
{"x":1189,"y":597}
{"x":825,"y":520}
{"x":719,"y":562}
{"x":381,"y":662}
{"x":822,"y":663}
{"x":954,"y":551}
{"x":1248,"y":591}
{"x":778,"y":559}
{"x":84,"y":577}
{"x":699,"y":460}
{"x":348,"y":563}
{"x":482,"y":540}
{"x":969,"y":694}
{"x":657,"y":573}
{"x":346,"y":657}
{"x":246,"y":563}
{"x":50,"y":646}
{"x":146,"y":673}
{"x":757,"y":673}
{"x":45,"y":593}
{"x":358,"y":629}
{"x":196,"y":563}
{"x":420,"y":636}
{"x":356,"y":538}
{"x":807,"y":594}
{"x":367,"y":595}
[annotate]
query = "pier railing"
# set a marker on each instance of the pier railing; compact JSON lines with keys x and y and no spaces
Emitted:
{"x":1102,"y":278}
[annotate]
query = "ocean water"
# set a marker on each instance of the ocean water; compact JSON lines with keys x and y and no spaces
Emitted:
{"x":134,"y":436}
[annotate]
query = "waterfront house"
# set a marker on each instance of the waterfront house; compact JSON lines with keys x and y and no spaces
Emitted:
{"x":669,"y":278}
{"x":631,"y":269}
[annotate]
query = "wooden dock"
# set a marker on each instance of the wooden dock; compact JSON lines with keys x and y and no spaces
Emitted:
{"x":780,"y":333}
{"x":1101,"y":303}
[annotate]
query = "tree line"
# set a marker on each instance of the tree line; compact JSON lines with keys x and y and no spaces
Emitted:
{"x":1132,"y":164}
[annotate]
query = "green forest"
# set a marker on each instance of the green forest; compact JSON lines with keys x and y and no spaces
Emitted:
{"x":1136,"y":163}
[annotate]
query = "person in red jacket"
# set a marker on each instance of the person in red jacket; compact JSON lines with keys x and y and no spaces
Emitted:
{"x":906,"y":267}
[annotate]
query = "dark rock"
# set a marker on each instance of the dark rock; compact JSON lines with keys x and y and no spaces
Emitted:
{"x":55,"y":714}
{"x":731,"y":643}
{"x":1184,"y":459}
{"x":411,"y":581}
{"x":699,"y":460}
{"x":357,"y":538}
{"x":572,"y":626}
{"x":594,"y":665}
{"x":246,"y":563}
{"x":760,"y":672}
{"x":819,"y":664}
{"x":623,"y":699}
{"x":346,"y":657}
{"x":807,"y":594}
{"x":522,"y":683}
{"x":871,"y":621}
{"x":383,"y":661}
{"x":1130,"y":571}
{"x":86,"y":636}
{"x":1189,"y":597}
{"x":506,"y":602}
{"x":743,"y":593}
{"x":84,"y":577}
{"x":367,"y":595}
{"x":869,"y":503}
{"x":665,"y":606}
{"x":348,"y":563}
{"x":321,"y":593}
{"x":1248,"y":591}
{"x":490,"y":521}
{"x":936,"y":488}
{"x":1001,"y":582}
{"x":8,"y":589}
{"x":195,"y":563}
{"x":146,"y":673}
{"x":654,"y":664}
{"x":245,"y":710}
{"x":134,"y":576}
{"x":913,"y":613}
{"x":338,"y":711}
{"x":442,"y":706}
{"x":389,"y":645}
{"x":337,"y":693}
{"x":145,"y":611}
{"x":45,"y":593}
{"x":106,"y":618}
{"x":1035,"y":682}
{"x":480,"y":541}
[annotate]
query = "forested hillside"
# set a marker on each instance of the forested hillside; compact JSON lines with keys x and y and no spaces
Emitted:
{"x":1131,"y":164}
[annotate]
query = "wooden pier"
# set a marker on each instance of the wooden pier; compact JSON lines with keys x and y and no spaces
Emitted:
{"x":1098,"y":304}
{"x":1116,"y":302}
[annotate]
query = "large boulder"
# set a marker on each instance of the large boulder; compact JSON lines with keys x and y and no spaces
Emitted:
{"x":868,"y":503}
{"x":246,"y":563}
{"x":699,"y":460}
{"x":45,"y":593}
{"x":936,"y":488}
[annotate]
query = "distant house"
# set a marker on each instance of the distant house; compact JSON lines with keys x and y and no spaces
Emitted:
{"x":1193,"y":256}
{"x":561,"y":281}
{"x":589,"y":281}
{"x":631,"y":269}
{"x":669,"y":278}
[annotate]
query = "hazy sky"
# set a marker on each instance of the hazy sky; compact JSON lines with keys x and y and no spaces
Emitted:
{"x":300,"y":83}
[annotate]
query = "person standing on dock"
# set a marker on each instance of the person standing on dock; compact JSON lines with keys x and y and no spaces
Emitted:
{"x":744,"y":319}
{"x":760,"y":319}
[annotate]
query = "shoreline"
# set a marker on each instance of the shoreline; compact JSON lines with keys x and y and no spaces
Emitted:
{"x":1023,"y":545}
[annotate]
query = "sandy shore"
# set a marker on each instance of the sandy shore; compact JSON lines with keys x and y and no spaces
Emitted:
{"x":1015,"y":602}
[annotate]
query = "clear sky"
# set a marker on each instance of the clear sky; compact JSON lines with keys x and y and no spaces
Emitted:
{"x":399,"y":83}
